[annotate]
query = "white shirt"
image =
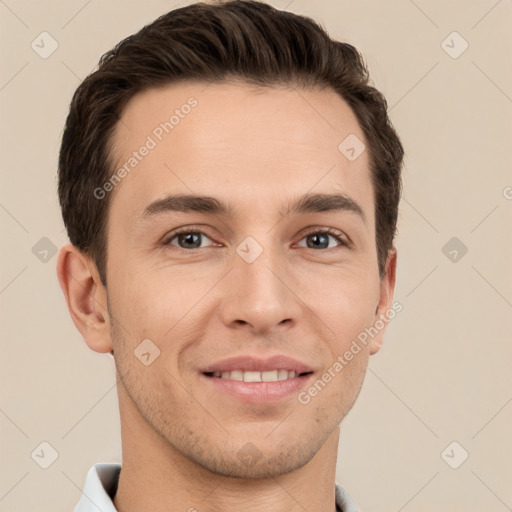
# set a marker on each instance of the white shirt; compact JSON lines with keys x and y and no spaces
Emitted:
{"x":101,"y":486}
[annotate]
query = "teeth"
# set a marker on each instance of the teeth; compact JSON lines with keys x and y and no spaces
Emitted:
{"x":269,"y":376}
{"x":254,"y":376}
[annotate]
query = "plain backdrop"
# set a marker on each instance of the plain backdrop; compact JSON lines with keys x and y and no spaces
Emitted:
{"x":440,"y":389}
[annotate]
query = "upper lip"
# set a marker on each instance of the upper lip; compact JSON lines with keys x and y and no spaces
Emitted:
{"x":255,"y":363}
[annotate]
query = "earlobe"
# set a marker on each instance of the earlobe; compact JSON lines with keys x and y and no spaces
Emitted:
{"x":387,"y":288}
{"x":85,"y":297}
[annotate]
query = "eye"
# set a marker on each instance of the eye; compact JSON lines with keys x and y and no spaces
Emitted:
{"x":194,"y":239}
{"x":321,"y":239}
{"x":188,"y":239}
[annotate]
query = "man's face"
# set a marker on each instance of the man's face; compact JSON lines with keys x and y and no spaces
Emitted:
{"x":290,"y":289}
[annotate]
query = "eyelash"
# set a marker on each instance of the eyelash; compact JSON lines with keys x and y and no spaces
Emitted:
{"x":317,"y":231}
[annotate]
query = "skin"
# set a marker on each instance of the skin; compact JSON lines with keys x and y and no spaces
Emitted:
{"x":258,"y":150}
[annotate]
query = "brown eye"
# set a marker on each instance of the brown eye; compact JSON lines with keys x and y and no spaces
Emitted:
{"x":188,"y":240}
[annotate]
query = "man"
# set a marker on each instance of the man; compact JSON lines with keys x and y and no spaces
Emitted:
{"x":230,"y":182}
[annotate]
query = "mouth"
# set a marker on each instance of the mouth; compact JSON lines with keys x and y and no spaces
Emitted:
{"x":255,"y":387}
{"x":256,"y":379}
{"x":276,"y":375}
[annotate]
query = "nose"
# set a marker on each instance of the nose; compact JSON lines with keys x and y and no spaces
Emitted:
{"x":260,"y":296}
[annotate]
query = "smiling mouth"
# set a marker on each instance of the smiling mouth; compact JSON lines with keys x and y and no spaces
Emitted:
{"x":256,"y":376}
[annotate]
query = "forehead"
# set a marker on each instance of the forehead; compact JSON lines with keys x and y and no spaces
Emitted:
{"x":237,"y":142}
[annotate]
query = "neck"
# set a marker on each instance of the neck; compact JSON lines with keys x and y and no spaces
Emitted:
{"x":157,"y":477}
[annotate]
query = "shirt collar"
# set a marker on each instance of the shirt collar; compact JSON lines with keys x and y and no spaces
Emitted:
{"x":101,"y":486}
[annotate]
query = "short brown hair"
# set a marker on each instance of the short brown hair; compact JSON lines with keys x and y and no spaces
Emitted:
{"x":241,"y":39}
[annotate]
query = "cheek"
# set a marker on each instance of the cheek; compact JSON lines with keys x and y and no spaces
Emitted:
{"x":345,"y":302}
{"x":139,"y":296}
{"x":167,"y":308}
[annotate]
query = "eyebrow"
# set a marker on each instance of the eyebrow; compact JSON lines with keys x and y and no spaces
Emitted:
{"x":187,"y":203}
{"x":308,"y":203}
{"x":315,"y":203}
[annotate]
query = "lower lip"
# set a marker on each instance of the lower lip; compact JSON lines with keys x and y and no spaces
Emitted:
{"x":259,"y":392}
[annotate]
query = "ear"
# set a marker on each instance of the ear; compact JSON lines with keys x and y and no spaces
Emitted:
{"x":85,"y":296}
{"x":387,"y":288}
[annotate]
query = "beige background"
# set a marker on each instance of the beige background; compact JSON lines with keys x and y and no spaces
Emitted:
{"x":443,"y":374}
